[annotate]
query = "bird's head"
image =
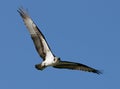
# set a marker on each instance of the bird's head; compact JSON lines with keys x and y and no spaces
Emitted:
{"x":56,"y":58}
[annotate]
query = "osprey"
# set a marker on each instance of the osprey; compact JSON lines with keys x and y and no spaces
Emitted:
{"x":44,"y":51}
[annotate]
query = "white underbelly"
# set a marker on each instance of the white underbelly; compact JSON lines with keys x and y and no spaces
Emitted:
{"x":49,"y":60}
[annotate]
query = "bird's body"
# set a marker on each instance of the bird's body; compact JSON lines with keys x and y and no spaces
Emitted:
{"x":43,"y":49}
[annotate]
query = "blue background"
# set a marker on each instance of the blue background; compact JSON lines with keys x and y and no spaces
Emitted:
{"x":85,"y":31}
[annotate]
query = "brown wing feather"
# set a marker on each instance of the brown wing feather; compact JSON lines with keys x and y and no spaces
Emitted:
{"x":38,"y":38}
{"x":75,"y":66}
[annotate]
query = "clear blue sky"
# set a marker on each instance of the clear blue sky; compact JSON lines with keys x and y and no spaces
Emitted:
{"x":85,"y":31}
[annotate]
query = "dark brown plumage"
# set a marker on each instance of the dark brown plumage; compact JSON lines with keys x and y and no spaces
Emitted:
{"x":43,"y":49}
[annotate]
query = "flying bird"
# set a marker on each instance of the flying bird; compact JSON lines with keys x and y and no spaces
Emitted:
{"x":44,"y":51}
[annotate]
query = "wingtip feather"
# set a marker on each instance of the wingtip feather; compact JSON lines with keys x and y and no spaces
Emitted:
{"x":23,"y":13}
{"x":97,"y":72}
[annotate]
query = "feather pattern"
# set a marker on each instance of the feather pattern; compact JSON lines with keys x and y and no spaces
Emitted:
{"x":38,"y":38}
{"x":43,"y":49}
{"x":75,"y":66}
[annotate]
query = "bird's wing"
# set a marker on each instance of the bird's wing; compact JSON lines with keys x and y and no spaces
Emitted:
{"x":75,"y":66}
{"x":38,"y":38}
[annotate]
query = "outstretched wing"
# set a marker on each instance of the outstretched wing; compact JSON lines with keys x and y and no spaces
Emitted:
{"x":75,"y":66}
{"x":38,"y":38}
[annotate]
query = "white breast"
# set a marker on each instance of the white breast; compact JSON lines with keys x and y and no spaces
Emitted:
{"x":49,"y":59}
